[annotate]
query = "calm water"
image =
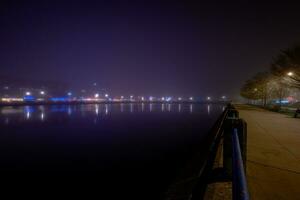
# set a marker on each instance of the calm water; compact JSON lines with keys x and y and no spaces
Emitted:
{"x":132,"y":151}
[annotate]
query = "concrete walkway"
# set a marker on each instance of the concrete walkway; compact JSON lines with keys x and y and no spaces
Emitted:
{"x":273,"y":154}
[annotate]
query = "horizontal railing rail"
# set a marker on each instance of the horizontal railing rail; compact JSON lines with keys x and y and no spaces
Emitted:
{"x":233,"y":132}
{"x":239,"y":181}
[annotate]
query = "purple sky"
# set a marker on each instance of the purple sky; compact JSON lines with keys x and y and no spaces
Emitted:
{"x":144,"y":48}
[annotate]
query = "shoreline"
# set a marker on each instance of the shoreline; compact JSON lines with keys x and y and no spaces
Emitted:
{"x":16,"y":104}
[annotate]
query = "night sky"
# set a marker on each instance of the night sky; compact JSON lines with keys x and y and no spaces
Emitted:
{"x":154,"y":48}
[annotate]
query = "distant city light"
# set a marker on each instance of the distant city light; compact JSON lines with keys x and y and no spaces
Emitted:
{"x":28,"y":93}
{"x":122,"y":97}
{"x":169,"y":99}
{"x":106,"y":95}
{"x":191,"y":98}
{"x":69,"y":93}
{"x":290,"y":73}
{"x":12,"y":99}
{"x":131,"y":97}
{"x":223,"y":97}
{"x":255,"y":89}
{"x":29,"y":98}
{"x":56,"y":99}
{"x":96,"y":95}
{"x":151,"y":98}
{"x":142,"y":98}
{"x":179,"y":98}
{"x":42,"y":92}
{"x":163,"y":98}
{"x":208,"y":98}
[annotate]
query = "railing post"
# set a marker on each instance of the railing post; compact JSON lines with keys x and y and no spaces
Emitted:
{"x":242,"y":134}
{"x":227,"y":141}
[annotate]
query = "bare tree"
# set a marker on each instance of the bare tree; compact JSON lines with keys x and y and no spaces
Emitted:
{"x":286,"y":65}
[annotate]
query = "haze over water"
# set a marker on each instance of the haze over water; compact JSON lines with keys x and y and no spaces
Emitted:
{"x":117,"y":150}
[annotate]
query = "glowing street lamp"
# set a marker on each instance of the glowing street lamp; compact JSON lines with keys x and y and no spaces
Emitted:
{"x":131,"y":98}
{"x":223,"y":97}
{"x":69,"y":93}
{"x":42,"y":92}
{"x":179,"y":98}
{"x":255,"y":89}
{"x":191,"y":98}
{"x":290,"y":74}
{"x":28,"y":93}
{"x":122,"y":97}
{"x":96,"y":95}
{"x":106,"y":95}
{"x":142,"y":98}
{"x":208,"y":98}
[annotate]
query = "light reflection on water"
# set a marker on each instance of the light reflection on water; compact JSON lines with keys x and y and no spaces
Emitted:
{"x":191,"y":108}
{"x":101,"y":140}
{"x":208,"y":109}
{"x":40,"y":113}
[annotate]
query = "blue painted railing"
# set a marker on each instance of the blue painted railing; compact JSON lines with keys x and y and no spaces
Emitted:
{"x":239,"y":182}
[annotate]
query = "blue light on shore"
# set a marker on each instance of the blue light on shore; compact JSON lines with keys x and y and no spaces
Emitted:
{"x":29,"y":98}
{"x":59,"y":99}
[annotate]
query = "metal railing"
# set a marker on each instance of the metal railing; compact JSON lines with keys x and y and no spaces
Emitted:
{"x":207,"y":167}
{"x":239,"y":181}
{"x":233,"y":132}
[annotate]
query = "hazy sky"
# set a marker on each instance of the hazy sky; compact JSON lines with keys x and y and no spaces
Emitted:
{"x":155,"y":48}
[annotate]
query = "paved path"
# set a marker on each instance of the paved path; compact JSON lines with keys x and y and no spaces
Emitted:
{"x":273,"y":154}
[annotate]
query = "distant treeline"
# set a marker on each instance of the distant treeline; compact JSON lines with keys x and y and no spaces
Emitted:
{"x":279,"y":82}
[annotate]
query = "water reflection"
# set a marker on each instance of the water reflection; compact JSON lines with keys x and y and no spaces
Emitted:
{"x":69,"y":110}
{"x":42,"y":116}
{"x":58,"y":108}
{"x":169,"y":107}
{"x":106,"y":109}
{"x":122,"y":107}
{"x":43,"y":113}
{"x":143,"y":107}
{"x":208,"y":109}
{"x":132,"y":136}
{"x":97,"y":109}
{"x":179,"y":107}
{"x":28,"y":110}
{"x":151,"y":107}
{"x":162,"y":107}
{"x":131,"y":108}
